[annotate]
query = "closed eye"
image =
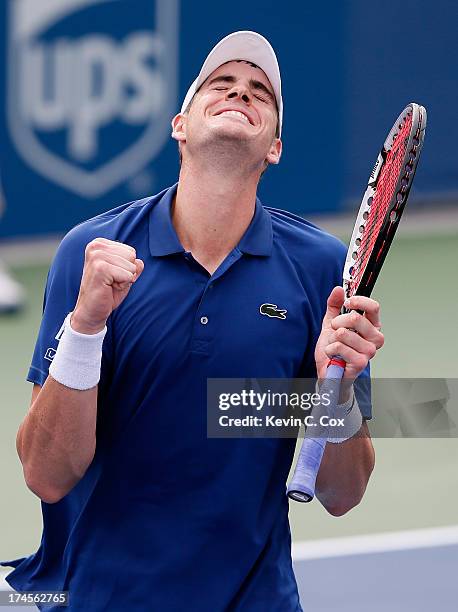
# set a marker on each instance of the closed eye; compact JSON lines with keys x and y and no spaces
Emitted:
{"x":264,"y":99}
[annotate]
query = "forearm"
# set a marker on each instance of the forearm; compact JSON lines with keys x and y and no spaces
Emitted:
{"x":345,"y":471}
{"x":56,"y":440}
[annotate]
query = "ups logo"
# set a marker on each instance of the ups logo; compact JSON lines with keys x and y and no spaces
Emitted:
{"x":91,"y":87}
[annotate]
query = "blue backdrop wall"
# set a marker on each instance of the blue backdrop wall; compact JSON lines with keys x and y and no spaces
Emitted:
{"x":88,"y":88}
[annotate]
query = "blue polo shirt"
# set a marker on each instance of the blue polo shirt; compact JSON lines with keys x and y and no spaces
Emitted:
{"x":166,"y":519}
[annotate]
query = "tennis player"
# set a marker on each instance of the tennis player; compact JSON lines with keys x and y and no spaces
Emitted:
{"x":141,"y":511}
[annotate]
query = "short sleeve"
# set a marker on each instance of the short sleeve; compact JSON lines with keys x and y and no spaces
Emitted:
{"x":363,"y":392}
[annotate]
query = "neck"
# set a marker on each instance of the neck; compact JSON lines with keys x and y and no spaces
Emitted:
{"x":212,"y":210}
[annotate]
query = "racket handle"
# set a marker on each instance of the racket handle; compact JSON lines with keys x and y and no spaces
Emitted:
{"x":302,"y":485}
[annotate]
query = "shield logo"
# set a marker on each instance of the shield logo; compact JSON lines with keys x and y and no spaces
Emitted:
{"x":92,"y":85}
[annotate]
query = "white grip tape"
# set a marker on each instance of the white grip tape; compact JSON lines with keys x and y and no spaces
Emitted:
{"x":78,"y":359}
{"x":351,"y":415}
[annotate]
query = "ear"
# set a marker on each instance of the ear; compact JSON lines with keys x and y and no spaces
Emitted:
{"x":273,"y":157}
{"x":179,"y":127}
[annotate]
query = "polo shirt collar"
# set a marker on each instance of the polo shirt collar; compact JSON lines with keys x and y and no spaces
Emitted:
{"x":163,"y":240}
{"x":257,"y":240}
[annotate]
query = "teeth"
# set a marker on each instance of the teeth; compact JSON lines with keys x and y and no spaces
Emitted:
{"x":236,"y":114}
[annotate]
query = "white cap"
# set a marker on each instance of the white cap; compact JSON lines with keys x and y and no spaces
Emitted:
{"x":243,"y":45}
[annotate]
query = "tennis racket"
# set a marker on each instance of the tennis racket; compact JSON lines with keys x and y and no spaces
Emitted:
{"x":378,"y":217}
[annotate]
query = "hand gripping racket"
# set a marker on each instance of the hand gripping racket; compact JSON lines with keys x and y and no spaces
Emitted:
{"x":378,"y":217}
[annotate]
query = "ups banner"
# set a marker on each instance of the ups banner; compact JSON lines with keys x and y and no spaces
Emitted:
{"x":89,"y":88}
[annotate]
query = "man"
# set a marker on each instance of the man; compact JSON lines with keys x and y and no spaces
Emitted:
{"x":141,"y":510}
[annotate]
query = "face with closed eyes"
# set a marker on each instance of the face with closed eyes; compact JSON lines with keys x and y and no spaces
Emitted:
{"x":235,"y":107}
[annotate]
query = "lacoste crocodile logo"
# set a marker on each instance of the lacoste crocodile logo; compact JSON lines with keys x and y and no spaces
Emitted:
{"x":272,"y":310}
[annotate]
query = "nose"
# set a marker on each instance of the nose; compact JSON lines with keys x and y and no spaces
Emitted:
{"x":239,"y":91}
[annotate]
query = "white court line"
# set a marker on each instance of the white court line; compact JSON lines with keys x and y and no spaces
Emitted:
{"x":375,"y":543}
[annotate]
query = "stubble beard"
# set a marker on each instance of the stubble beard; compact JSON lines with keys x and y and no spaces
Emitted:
{"x":227,"y":152}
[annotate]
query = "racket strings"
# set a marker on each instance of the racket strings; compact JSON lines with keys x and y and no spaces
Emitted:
{"x":385,"y":190}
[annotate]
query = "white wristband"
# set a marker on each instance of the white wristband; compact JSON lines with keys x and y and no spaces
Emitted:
{"x":350,"y":413}
{"x":78,"y":358}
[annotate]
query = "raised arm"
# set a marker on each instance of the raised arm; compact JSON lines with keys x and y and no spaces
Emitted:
{"x":57,"y":439}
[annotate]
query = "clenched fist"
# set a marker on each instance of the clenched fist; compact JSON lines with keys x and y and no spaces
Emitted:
{"x":110,"y":269}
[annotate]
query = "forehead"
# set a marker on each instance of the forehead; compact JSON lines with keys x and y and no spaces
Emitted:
{"x":241,"y":69}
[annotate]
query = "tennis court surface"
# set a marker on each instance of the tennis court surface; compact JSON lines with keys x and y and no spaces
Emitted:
{"x":397,"y":572}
